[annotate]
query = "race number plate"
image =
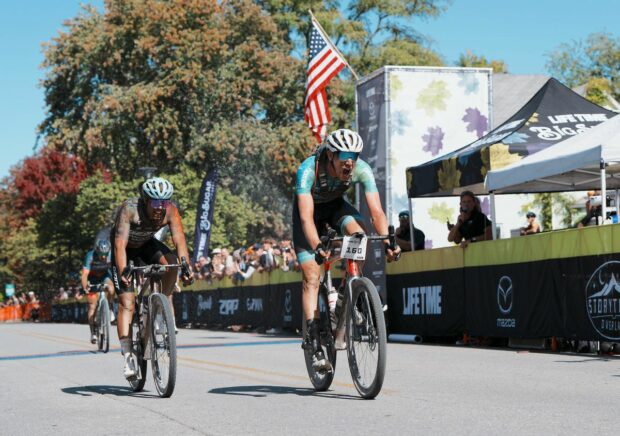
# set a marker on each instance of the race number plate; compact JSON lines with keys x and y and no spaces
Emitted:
{"x":353,"y":248}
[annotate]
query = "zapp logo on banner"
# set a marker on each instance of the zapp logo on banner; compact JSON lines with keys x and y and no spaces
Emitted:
{"x":505,"y":300}
{"x":603,"y":300}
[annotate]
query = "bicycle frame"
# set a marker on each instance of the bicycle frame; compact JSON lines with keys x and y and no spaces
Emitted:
{"x":140,"y":275}
{"x":352,"y":273}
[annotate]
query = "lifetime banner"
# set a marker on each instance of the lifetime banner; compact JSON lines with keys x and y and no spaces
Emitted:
{"x":204,"y":215}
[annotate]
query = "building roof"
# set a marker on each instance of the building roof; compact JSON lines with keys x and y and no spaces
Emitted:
{"x":511,"y":92}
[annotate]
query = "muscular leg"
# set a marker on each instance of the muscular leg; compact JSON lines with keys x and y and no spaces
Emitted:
{"x":126,"y":307}
{"x":170,"y":278}
{"x":92,"y":305}
{"x":110,"y":292}
{"x":310,"y":271}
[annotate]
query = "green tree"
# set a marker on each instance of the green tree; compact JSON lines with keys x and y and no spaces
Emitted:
{"x":147,"y":81}
{"x":33,"y":267}
{"x":97,"y":201}
{"x":598,"y":57}
{"x":549,"y":204}
{"x":370,"y":34}
{"x":469,"y":59}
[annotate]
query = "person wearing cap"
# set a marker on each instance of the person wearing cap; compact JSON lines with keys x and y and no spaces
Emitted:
{"x":532,"y":226}
{"x":217,"y":263}
{"x":403,"y":234}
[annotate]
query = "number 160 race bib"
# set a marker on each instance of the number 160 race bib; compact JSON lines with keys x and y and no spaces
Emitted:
{"x":353,"y":248}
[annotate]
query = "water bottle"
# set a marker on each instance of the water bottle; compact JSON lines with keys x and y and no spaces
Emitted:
{"x":332,"y":298}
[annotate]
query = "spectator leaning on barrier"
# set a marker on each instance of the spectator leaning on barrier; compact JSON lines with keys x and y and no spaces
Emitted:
{"x":289,"y":259}
{"x":228,"y":261}
{"x":532,"y":226}
{"x":471,"y":225}
{"x":267,"y":259}
{"x":403,"y":234}
{"x":217,"y":263}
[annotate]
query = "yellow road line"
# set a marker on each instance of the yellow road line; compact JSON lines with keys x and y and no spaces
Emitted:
{"x":264,"y":372}
{"x":53,"y":338}
{"x":197,"y":363}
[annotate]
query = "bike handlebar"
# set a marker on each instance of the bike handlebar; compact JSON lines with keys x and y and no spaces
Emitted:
{"x":332,"y":236}
{"x":156,"y":268}
{"x":96,"y":288}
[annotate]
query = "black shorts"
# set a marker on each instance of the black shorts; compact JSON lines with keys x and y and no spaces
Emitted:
{"x":147,"y":254}
{"x":336,"y":213}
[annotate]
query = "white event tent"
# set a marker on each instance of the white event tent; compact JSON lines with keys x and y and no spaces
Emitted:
{"x":590,"y":160}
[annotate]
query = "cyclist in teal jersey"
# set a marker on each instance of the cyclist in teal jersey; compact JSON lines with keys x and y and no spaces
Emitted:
{"x":95,"y":271}
{"x":322,"y":180}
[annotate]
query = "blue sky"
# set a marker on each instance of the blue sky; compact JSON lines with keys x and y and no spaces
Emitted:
{"x":521,"y":33}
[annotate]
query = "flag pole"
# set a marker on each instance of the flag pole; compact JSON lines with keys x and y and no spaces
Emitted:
{"x":329,"y":41}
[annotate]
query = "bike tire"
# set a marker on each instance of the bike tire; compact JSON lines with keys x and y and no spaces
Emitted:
{"x":322,"y":380}
{"x":163,"y":337}
{"x":137,"y":383}
{"x":104,"y":326}
{"x":366,"y":334}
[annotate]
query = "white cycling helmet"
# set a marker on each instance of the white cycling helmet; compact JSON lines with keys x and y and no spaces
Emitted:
{"x":344,"y":140}
{"x":157,"y":188}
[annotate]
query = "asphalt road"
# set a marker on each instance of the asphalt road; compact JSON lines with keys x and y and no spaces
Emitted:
{"x":53,"y":382}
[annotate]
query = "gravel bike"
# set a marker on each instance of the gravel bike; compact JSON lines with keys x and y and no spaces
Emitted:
{"x":356,"y":323}
{"x":152,"y":328}
{"x":102,"y":318}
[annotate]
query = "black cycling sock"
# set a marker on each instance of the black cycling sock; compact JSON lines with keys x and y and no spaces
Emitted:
{"x":314,"y":335}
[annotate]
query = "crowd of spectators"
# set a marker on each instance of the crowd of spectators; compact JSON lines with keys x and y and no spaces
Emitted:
{"x":240,"y":264}
{"x":21,"y":299}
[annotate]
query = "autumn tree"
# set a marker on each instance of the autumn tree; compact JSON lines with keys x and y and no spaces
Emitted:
{"x":147,"y":81}
{"x":370,"y":33}
{"x":41,"y":177}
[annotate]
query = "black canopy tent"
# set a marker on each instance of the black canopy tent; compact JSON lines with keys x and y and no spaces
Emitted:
{"x":553,"y":114}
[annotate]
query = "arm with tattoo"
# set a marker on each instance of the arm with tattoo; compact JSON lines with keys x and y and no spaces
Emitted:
{"x":178,"y":236}
{"x":121,"y":237}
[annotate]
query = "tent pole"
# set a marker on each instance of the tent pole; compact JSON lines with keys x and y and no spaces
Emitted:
{"x":493,"y":223}
{"x":603,"y":192}
{"x":411,"y":228}
{"x":617,"y":205}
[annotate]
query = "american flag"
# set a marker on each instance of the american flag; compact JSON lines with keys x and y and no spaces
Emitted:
{"x":325,"y":63}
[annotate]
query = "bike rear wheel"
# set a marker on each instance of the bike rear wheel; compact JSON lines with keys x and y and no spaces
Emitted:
{"x":322,"y":380}
{"x":366,"y":339}
{"x":137,"y":383}
{"x":163,"y":336}
{"x":104,"y":326}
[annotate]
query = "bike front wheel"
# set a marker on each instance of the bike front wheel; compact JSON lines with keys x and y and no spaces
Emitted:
{"x":366,"y":338}
{"x":163,"y":337}
{"x":322,"y":380}
{"x":103,"y":337}
{"x":137,"y":382}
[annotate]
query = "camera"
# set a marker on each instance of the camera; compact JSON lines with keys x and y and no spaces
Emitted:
{"x":595,"y":201}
